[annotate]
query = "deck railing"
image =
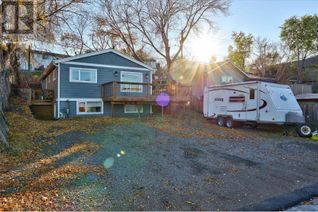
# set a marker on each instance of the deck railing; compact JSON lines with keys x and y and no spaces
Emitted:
{"x":112,"y":91}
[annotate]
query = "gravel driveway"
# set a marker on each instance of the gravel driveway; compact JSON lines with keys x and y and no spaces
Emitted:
{"x":188,"y":163}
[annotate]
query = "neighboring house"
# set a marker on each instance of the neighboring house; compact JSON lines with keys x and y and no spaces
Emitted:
{"x":99,"y":83}
{"x":308,"y":77}
{"x":39,"y":60}
{"x":310,"y":74}
{"x":218,"y":74}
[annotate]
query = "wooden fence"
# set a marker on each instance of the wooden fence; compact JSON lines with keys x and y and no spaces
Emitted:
{"x":301,"y":88}
{"x":4,"y":130}
{"x":310,"y":110}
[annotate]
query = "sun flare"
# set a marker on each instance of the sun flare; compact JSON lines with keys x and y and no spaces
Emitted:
{"x":202,"y":47}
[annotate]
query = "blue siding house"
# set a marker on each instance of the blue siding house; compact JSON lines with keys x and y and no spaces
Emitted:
{"x":105,"y":83}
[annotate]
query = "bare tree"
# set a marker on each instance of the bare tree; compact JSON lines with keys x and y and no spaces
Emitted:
{"x":74,"y":36}
{"x":49,"y":15}
{"x":282,"y":65}
{"x":265,"y":53}
{"x":270,"y":59}
{"x":159,"y":26}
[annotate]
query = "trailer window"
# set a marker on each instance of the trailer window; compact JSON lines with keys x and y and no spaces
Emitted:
{"x":252,"y":93}
{"x":237,"y":99}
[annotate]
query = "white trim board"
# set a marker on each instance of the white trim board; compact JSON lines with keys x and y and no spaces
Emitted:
{"x":103,"y":52}
{"x":104,"y":66}
{"x":80,"y":99}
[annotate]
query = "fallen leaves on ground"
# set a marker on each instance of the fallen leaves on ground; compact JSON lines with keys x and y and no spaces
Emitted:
{"x":27,"y":135}
{"x":195,"y":126}
{"x":32,"y":179}
{"x":35,"y":201}
{"x":9,"y":178}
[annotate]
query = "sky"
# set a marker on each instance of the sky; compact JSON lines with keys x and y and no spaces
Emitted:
{"x":258,"y":17}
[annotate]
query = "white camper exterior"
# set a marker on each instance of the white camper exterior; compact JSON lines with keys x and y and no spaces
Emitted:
{"x":254,"y":102}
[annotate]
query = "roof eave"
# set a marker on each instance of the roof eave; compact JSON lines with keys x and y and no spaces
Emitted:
{"x":103,"y":52}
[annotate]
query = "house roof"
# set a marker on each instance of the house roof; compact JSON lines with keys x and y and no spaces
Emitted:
{"x":247,"y":76}
{"x":49,"y":53}
{"x":103,"y":52}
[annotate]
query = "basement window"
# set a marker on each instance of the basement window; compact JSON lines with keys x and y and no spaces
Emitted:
{"x":133,"y":108}
{"x":89,"y":107}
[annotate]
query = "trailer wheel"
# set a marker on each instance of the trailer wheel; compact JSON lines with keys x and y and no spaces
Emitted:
{"x":229,"y":122}
{"x":304,"y":130}
{"x":220,"y":121}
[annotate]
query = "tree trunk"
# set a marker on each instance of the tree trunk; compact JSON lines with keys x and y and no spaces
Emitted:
{"x":298,"y":69}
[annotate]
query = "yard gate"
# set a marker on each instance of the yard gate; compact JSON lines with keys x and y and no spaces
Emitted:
{"x":310,"y":110}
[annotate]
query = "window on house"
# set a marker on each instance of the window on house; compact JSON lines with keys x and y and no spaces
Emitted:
{"x":133,"y":108}
{"x":226,"y":79}
{"x":237,"y":99}
{"x":83,"y":75}
{"x":252,"y":93}
{"x":131,"y":77}
{"x":89,"y":107}
{"x":49,"y":78}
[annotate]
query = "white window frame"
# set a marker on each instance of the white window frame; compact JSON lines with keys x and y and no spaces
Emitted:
{"x":83,"y":69}
{"x":136,"y":111}
{"x":226,"y":79}
{"x":124,"y":89}
{"x":88,"y":113}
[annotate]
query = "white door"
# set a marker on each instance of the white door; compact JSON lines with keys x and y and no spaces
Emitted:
{"x":251,"y":104}
{"x":127,"y":76}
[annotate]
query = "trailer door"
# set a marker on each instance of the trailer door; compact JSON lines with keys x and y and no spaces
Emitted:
{"x":251,"y":104}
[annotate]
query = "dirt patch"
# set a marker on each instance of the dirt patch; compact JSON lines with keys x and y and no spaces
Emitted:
{"x":191,"y":152}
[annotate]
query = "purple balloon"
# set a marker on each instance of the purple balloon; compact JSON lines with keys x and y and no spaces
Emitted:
{"x":163,"y":99}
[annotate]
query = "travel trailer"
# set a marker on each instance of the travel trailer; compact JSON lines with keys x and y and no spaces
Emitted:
{"x":254,"y":102}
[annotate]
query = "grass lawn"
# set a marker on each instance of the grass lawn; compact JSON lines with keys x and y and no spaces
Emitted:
{"x":181,"y":163}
